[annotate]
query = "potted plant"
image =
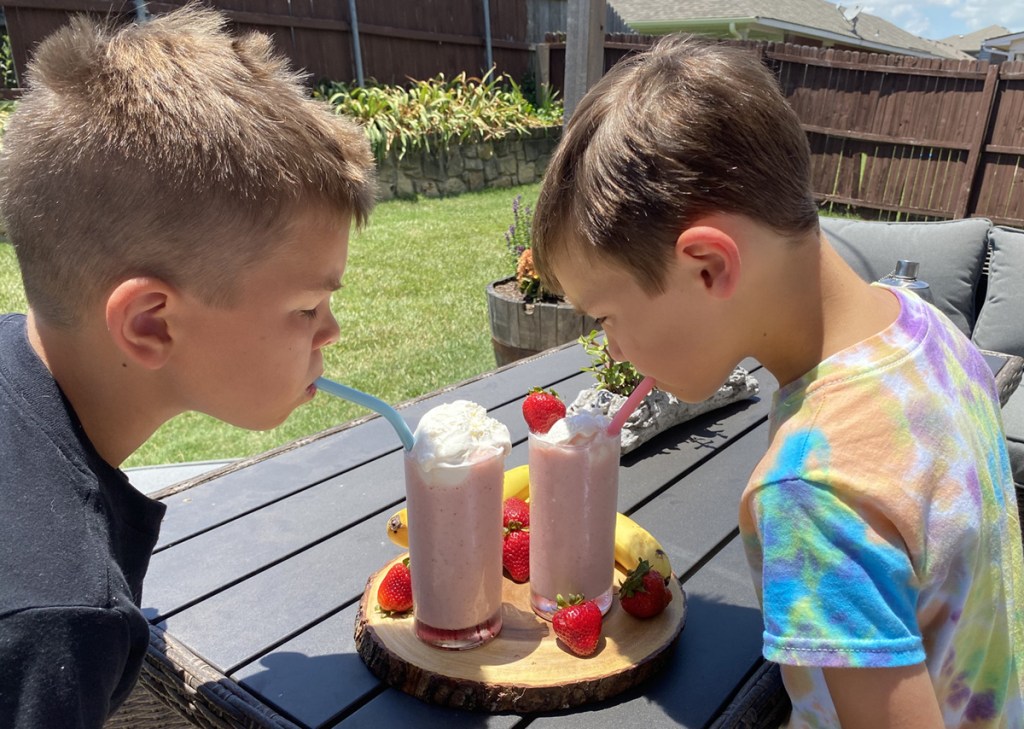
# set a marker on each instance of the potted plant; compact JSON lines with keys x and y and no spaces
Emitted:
{"x":525,"y":318}
{"x":658,"y":411}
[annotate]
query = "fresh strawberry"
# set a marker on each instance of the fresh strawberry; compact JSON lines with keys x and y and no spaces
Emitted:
{"x":395,"y":592}
{"x":644,"y":594}
{"x":515,"y":554}
{"x":515,"y":510}
{"x":578,"y":624}
{"x":541,"y":409}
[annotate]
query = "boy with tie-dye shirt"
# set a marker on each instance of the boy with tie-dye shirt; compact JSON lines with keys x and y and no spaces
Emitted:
{"x":881,"y":526}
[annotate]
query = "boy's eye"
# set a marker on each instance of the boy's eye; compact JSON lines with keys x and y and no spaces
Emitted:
{"x":309,"y":313}
{"x":600,"y":319}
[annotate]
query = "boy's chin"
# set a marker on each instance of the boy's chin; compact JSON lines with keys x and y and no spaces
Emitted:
{"x":692,"y":393}
{"x":257,"y":421}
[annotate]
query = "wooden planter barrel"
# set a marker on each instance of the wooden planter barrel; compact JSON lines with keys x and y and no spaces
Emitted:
{"x":520,"y":330}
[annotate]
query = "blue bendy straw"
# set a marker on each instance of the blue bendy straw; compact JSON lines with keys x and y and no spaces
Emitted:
{"x":369,"y":401}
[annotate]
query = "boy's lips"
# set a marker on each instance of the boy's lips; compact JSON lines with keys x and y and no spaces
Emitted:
{"x":312,"y":388}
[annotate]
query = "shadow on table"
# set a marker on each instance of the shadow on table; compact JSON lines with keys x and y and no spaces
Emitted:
{"x":310,"y":688}
{"x":704,"y":432}
{"x":719,"y":646}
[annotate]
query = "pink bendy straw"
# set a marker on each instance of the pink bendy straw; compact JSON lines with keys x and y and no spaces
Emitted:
{"x":623,"y":413}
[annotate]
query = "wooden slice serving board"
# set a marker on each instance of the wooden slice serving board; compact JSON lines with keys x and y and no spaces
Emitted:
{"x":526,"y":668}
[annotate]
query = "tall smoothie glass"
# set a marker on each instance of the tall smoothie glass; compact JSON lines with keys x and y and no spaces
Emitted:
{"x":453,"y":484}
{"x":574,"y":485}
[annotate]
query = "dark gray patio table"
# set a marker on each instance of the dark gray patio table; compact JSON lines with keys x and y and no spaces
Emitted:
{"x":253,"y":590}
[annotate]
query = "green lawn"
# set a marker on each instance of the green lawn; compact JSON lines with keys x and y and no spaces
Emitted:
{"x":412,"y":312}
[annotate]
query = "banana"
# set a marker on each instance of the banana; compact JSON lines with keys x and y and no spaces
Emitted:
{"x":398,"y":528}
{"x":633,"y":543}
{"x":516,"y":483}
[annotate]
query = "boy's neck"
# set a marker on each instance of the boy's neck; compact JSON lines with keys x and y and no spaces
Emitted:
{"x":118,"y":403}
{"x":829,"y":308}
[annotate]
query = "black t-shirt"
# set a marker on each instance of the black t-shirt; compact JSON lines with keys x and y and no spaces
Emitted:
{"x":75,"y":543}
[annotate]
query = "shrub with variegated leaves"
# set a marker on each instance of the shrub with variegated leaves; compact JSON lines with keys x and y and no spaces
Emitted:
{"x":436,"y":113}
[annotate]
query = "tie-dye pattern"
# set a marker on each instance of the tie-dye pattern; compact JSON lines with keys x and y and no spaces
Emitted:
{"x":881,"y":526}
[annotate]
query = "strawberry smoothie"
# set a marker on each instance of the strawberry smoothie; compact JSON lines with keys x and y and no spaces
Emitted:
{"x":574,"y":484}
{"x":453,"y":482}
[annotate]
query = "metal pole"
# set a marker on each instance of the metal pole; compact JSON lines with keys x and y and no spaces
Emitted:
{"x":356,"y":51}
{"x":487,"y":34}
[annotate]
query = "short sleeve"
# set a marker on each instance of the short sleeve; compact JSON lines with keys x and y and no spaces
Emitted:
{"x":839,"y":589}
{"x":60,"y":667}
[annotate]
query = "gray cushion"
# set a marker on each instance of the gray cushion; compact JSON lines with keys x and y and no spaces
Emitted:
{"x":1000,"y":324}
{"x":951,"y":254}
{"x":1013,"y":425}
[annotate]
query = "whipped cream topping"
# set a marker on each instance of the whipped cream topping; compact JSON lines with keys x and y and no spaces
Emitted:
{"x":576,"y":428}
{"x":458,"y":433}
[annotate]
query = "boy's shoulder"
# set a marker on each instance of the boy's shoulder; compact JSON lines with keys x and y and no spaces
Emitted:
{"x":58,"y":499}
{"x":914,"y":394}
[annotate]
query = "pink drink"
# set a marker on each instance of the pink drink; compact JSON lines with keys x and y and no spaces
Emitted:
{"x":455,"y":540}
{"x":573,"y":496}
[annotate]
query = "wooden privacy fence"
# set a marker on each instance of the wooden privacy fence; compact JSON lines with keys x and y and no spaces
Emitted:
{"x":927,"y":138}
{"x":895,"y":136}
{"x":397,"y":39}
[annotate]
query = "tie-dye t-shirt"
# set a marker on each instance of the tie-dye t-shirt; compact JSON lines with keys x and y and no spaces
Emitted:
{"x":881,"y":526}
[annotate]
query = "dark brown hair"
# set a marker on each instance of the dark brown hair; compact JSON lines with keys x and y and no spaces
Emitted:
{"x":169,"y":148}
{"x":687,"y":128}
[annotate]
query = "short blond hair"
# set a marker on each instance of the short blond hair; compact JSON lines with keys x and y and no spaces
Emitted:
{"x":170,"y":148}
{"x":687,"y":128}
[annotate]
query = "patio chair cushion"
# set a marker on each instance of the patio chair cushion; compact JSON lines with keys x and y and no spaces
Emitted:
{"x":1013,"y":426}
{"x":951,"y":254}
{"x":1000,"y":325}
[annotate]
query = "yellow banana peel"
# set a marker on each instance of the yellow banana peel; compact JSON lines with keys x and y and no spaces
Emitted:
{"x":632,"y":541}
{"x":517,"y":483}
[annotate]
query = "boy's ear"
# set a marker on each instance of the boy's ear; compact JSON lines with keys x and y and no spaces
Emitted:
{"x":136,"y":315}
{"x":712,"y":254}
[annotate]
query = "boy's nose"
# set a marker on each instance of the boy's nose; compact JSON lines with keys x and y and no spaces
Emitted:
{"x":613,"y":349}
{"x":329,"y":333}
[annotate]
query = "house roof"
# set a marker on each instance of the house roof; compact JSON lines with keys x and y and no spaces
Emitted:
{"x":1003,"y":41}
{"x":814,"y":18}
{"x":972,"y":41}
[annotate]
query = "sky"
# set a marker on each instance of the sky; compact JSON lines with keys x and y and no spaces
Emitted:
{"x":938,"y":19}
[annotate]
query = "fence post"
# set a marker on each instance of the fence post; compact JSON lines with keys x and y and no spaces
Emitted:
{"x":584,"y":50}
{"x":542,"y":66}
{"x":974,"y":156}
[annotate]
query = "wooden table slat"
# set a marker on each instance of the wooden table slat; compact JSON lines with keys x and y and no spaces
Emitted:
{"x":313,"y":674}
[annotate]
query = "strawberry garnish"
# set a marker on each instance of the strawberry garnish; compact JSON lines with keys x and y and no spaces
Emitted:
{"x":515,"y":554}
{"x":578,"y":624}
{"x":515,"y":510}
{"x":395,"y":592}
{"x":542,"y":409}
{"x":515,"y":550}
{"x":644,"y":593}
